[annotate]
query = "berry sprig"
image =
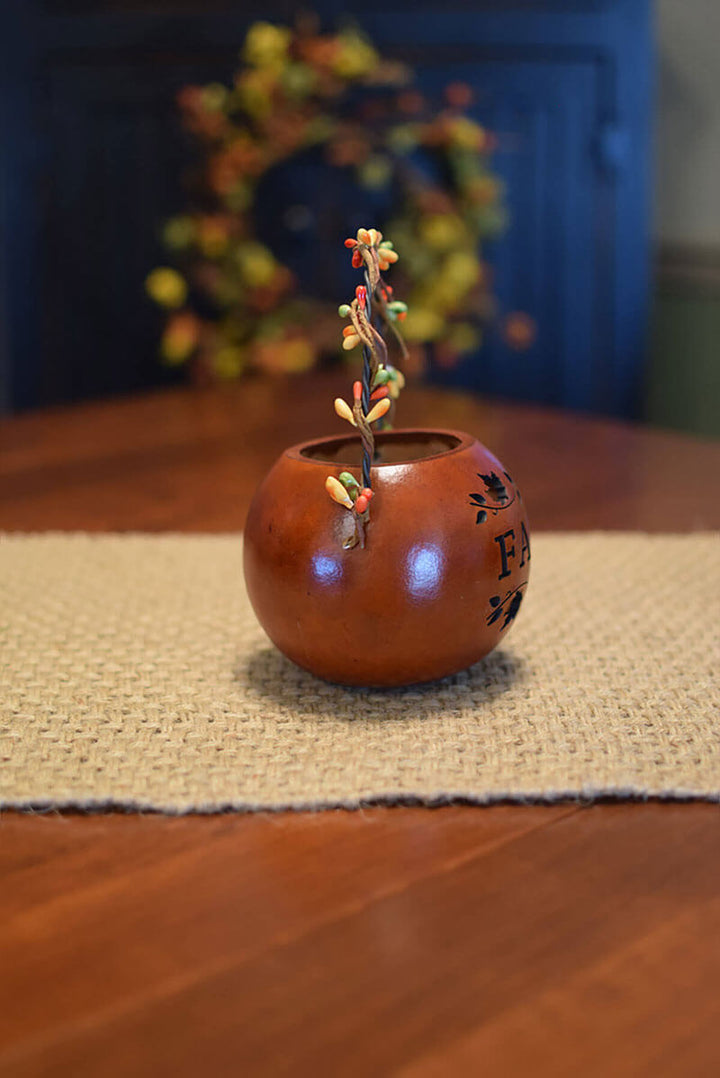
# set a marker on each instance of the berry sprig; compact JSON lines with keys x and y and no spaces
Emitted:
{"x":355,"y":415}
{"x":346,"y":491}
{"x":373,"y":397}
{"x":361,"y":330}
{"x":377,"y":255}
{"x":392,"y":378}
{"x":370,"y":248}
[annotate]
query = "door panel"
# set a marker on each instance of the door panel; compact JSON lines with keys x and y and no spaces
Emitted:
{"x":544,"y":115}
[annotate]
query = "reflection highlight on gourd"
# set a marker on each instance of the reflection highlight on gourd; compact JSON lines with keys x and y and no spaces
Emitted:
{"x":326,"y":569}
{"x":424,"y":571}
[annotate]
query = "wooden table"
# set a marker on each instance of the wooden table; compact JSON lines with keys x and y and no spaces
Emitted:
{"x":510,"y":940}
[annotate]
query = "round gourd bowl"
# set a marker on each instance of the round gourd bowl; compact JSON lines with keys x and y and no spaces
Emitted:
{"x":438,"y":582}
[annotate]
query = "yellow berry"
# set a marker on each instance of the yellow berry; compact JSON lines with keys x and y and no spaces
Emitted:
{"x":344,"y":411}
{"x":166,"y":286}
{"x":337,"y":492}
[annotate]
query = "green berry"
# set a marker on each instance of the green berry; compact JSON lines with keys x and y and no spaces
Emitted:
{"x":344,"y":310}
{"x":349,"y":481}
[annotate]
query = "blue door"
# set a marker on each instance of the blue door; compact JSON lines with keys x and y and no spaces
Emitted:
{"x":546,"y":263}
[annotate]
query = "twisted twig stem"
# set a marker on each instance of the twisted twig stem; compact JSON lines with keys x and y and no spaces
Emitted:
{"x":368,"y":443}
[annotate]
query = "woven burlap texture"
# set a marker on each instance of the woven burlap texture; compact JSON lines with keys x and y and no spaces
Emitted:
{"x":135,"y":674}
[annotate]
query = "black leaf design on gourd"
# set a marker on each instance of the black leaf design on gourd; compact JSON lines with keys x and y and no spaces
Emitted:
{"x":495,"y":615}
{"x":512,"y":608}
{"x":496,"y":490}
{"x":495,"y":486}
{"x":475,"y":501}
{"x":507,"y":607}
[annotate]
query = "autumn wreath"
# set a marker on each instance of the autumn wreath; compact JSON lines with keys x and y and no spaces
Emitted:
{"x":232,"y":304}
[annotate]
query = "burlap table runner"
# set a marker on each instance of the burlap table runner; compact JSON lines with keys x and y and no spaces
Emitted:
{"x":133,"y":673}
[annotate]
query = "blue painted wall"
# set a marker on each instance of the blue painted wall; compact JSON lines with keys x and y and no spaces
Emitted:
{"x":92,"y":159}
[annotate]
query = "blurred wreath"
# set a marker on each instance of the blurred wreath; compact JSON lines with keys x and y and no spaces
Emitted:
{"x":232,"y":304}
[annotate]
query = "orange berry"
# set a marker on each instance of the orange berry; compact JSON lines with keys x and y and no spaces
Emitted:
{"x":459,"y":95}
{"x":378,"y":410}
{"x":357,"y":390}
{"x":367,"y":493}
{"x":356,"y":260}
{"x":411,"y":101}
{"x":519,"y":330}
{"x":351,"y":243}
{"x":361,"y":504}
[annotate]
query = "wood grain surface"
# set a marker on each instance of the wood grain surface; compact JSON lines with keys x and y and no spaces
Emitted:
{"x":511,"y":940}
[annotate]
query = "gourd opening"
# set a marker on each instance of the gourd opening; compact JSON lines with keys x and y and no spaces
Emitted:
{"x":391,"y":447}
